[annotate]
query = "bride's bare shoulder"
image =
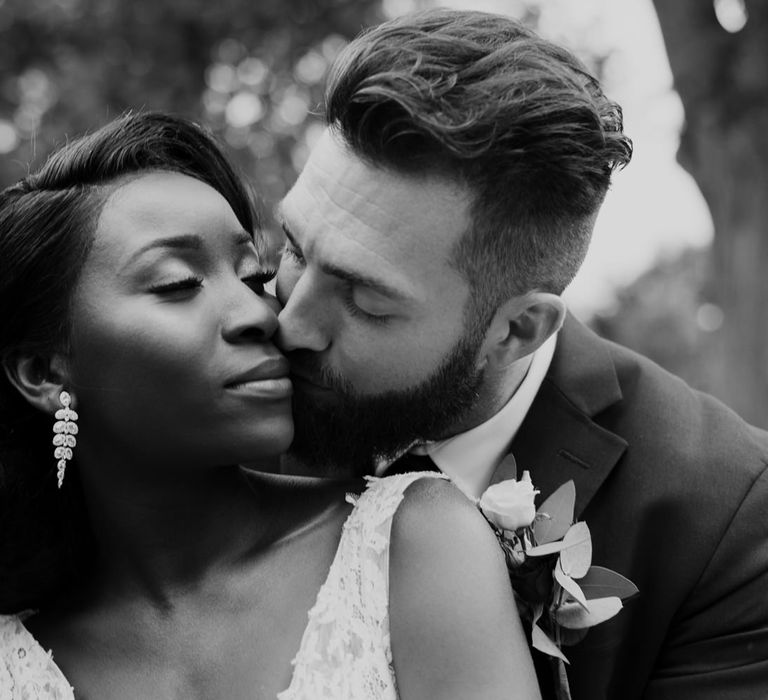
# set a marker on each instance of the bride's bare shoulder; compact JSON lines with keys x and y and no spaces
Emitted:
{"x":437,"y":520}
{"x":454,"y":624}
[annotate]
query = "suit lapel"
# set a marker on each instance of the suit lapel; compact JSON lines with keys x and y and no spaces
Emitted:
{"x":559,"y":440}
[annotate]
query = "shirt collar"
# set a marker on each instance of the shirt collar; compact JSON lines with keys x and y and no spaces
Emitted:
{"x":471,"y":457}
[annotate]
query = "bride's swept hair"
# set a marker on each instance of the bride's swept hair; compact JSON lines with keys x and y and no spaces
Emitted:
{"x":47,"y":224}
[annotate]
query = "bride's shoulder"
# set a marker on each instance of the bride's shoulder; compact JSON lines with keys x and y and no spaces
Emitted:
{"x":412,"y":487}
{"x":12,"y":631}
{"x":431,"y":520}
{"x":434,"y":512}
{"x":425,"y":515}
{"x":452,"y":614}
{"x":16,"y":644}
{"x":450,"y":599}
{"x":414,"y":497}
{"x":25,"y":667}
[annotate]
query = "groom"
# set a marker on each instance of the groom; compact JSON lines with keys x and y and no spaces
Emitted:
{"x":430,"y":235}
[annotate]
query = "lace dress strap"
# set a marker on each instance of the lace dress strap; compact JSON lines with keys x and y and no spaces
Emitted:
{"x":27,"y":671}
{"x":345,"y":652}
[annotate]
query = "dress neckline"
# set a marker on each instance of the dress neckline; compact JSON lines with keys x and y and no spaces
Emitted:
{"x":335,"y":562}
{"x":38,"y":649}
{"x":33,"y":646}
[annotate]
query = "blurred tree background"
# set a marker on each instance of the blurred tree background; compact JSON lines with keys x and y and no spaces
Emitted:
{"x":704,"y":315}
{"x":254,"y":73}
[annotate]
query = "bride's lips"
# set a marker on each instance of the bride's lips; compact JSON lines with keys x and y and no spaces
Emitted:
{"x":268,"y":379}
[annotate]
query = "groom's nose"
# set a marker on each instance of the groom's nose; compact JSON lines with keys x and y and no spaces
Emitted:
{"x":301,"y":322}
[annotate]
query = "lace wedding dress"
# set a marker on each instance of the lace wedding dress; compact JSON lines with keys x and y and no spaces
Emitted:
{"x":345,"y":650}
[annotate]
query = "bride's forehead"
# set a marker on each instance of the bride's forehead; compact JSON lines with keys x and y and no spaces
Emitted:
{"x":159,"y":205}
{"x":160,"y":194}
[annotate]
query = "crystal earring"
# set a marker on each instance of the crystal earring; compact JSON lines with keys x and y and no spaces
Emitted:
{"x":64,"y":431}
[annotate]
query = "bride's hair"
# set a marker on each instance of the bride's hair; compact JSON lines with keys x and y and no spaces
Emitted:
{"x":47,"y":223}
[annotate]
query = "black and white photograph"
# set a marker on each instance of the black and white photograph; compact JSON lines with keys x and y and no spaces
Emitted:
{"x":383,"y":350}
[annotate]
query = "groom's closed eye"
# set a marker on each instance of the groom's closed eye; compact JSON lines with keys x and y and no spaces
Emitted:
{"x":352,"y":278}
{"x":367,"y":303}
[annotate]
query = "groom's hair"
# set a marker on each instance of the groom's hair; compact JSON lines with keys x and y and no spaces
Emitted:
{"x":482,"y":100}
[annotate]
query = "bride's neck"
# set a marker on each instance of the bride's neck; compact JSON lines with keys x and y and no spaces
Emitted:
{"x":165,"y":529}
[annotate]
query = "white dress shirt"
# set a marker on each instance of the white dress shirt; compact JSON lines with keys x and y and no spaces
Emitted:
{"x":471,"y":457}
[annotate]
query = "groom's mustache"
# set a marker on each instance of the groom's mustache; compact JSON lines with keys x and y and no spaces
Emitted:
{"x":308,"y":366}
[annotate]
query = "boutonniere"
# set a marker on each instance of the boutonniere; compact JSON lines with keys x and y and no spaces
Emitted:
{"x":559,"y":593}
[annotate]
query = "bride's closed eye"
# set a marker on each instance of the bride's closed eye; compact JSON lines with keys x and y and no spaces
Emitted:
{"x":257,"y":280}
{"x":187,"y":284}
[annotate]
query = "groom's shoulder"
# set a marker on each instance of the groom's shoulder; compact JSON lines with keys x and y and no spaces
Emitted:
{"x":637,"y":394}
{"x":653,"y":400}
{"x":682,"y":437}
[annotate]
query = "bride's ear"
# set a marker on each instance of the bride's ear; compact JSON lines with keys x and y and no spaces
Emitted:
{"x":38,"y":378}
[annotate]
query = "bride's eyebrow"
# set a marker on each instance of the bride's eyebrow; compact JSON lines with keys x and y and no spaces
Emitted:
{"x":182,"y":242}
{"x":193,"y":242}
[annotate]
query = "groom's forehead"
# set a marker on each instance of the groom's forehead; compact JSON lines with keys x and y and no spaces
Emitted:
{"x":337,"y":190}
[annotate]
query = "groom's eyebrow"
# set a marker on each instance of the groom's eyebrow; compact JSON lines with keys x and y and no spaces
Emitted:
{"x":364,"y":281}
{"x":291,"y":238}
{"x":350,"y":276}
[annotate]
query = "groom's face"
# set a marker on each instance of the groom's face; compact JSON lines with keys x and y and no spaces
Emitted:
{"x":374,"y":312}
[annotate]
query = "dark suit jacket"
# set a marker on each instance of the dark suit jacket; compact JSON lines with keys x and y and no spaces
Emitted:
{"x":674,"y":488}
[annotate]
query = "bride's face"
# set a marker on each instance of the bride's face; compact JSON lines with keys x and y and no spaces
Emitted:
{"x":171,"y":353}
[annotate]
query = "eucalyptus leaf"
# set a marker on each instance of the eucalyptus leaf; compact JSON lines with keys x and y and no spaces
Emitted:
{"x":600,"y":582}
{"x":508,"y":467}
{"x":574,"y":616}
{"x":577,"y":550}
{"x":559,"y":514}
{"x":570,"y":586}
{"x":544,"y":644}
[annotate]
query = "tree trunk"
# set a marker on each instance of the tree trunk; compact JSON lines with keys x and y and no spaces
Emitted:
{"x":722,"y":80}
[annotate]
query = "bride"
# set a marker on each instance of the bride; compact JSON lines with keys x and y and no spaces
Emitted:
{"x":137,"y":560}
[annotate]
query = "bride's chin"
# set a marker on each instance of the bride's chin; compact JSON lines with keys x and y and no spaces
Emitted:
{"x":276,"y":439}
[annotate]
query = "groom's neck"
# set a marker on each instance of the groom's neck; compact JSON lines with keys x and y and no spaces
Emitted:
{"x":497,"y":390}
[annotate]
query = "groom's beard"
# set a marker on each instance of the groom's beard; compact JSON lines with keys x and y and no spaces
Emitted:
{"x":344,"y":432}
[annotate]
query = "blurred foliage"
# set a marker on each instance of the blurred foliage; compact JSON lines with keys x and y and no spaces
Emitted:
{"x":718,"y":54}
{"x":251,"y":71}
{"x":667,"y":316}
{"x":254,"y":73}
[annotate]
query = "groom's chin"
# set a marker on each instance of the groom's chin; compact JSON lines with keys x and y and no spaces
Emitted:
{"x":326,"y":442}
{"x":319,"y":458}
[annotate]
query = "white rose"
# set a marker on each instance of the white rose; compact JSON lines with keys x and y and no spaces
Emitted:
{"x":509,"y":504}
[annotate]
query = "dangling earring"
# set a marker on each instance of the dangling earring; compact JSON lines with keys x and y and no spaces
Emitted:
{"x":64,"y":431}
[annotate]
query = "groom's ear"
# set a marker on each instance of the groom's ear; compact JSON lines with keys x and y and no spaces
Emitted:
{"x":38,"y":378}
{"x":521,"y":325}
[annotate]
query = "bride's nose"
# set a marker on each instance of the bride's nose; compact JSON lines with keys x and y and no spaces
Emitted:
{"x":251,"y":319}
